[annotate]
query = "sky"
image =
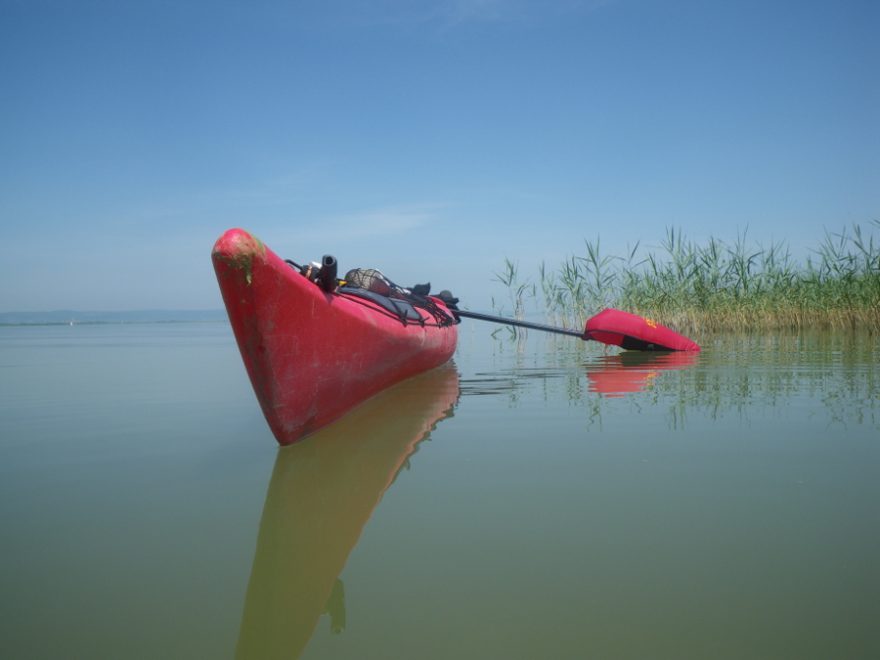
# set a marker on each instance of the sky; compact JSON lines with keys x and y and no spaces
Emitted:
{"x":431,"y":140}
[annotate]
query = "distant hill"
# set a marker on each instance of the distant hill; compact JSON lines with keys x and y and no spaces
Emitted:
{"x":66,"y":317}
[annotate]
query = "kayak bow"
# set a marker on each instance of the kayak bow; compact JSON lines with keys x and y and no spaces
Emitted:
{"x":312,"y":354}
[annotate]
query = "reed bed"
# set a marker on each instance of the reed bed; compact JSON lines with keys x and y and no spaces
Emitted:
{"x":715,"y":286}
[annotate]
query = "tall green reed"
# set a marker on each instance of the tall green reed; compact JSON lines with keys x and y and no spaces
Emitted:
{"x":518,"y":291}
{"x":717,"y":285}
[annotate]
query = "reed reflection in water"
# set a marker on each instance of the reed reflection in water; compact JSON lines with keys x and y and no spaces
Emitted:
{"x":736,"y":374}
{"x":322,"y":492}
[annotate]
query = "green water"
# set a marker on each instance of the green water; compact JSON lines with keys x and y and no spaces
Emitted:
{"x":539,"y":499}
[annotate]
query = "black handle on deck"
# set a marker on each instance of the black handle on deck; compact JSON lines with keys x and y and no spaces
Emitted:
{"x":327,"y":275}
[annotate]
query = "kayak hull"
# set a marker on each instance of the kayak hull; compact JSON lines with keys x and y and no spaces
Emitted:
{"x":312,"y":355}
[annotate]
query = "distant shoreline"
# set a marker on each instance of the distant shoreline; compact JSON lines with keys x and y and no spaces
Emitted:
{"x":74,"y":317}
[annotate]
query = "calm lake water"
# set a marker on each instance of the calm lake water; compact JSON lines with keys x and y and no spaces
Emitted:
{"x":538,"y":498}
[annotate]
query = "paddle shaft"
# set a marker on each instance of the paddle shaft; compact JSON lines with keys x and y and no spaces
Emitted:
{"x":517,"y":322}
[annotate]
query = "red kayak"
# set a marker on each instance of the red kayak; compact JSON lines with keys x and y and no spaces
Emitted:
{"x":314,"y":349}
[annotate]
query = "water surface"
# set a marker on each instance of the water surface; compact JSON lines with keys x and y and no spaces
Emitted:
{"x":538,"y":498}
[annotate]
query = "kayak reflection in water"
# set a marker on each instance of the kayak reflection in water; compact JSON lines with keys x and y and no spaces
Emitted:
{"x":336,"y":607}
{"x":321,"y":495}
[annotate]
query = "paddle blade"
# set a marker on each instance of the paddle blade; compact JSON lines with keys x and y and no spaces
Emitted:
{"x":632,"y":332}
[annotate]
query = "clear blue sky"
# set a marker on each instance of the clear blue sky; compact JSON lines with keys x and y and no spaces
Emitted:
{"x":429,"y":139}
